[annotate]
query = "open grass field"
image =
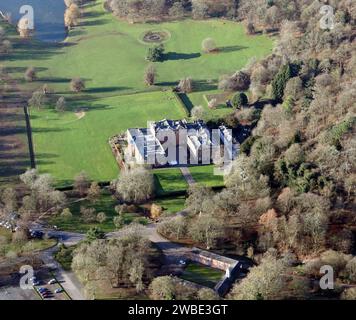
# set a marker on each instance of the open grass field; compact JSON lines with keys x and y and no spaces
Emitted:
{"x":202,"y":275}
{"x":110,"y":56}
{"x":65,"y":145}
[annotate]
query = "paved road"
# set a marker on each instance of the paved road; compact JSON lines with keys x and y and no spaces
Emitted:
{"x":67,"y":279}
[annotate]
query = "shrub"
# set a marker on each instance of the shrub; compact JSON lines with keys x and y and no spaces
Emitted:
{"x":162,"y":288}
{"x":239,"y":100}
{"x":150,"y":75}
{"x":101,"y":217}
{"x":156,"y":211}
{"x":349,"y":294}
{"x":66,"y":213}
{"x":155,"y":54}
{"x":280,"y":80}
{"x":61,"y":104}
{"x":88,"y":214}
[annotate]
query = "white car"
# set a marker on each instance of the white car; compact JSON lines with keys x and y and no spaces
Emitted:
{"x":52,"y":281}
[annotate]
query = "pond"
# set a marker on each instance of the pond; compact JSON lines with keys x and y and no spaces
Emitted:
{"x":48,"y":17}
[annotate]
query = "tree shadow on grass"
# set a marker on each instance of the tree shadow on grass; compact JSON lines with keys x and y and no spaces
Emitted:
{"x":35,"y":50}
{"x":187,"y":102}
{"x":167,"y":83}
{"x":204,"y":85}
{"x":12,"y":117}
{"x":180,"y":56}
{"x":92,"y":14}
{"x":23,"y":69}
{"x":54,"y":80}
{"x":77,"y":32}
{"x":42,"y":130}
{"x":105,"y":89}
{"x":9,"y":131}
{"x":96,"y":22}
{"x":228,"y":49}
{"x":158,"y":186}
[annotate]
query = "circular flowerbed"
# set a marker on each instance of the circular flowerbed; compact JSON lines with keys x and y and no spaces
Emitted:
{"x":155,"y":36}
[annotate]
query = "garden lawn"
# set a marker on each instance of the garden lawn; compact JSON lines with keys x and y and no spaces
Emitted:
{"x":169,"y":180}
{"x":65,"y":145}
{"x":202,"y":275}
{"x":171,"y":204}
{"x":198,"y":99}
{"x":205,"y":175}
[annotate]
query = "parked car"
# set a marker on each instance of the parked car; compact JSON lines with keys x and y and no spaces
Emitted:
{"x":37,"y":234}
{"x":46,"y":295}
{"x":59,"y":290}
{"x":52,"y":281}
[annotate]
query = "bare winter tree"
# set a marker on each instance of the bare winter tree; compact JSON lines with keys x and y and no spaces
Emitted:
{"x":209,"y":45}
{"x":77,"y":85}
{"x":185,"y":85}
{"x":30,"y":74}
{"x":71,"y":16}
{"x":135,"y":185}
{"x":150,"y":75}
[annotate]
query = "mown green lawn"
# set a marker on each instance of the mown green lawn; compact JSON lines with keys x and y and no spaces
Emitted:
{"x":202,"y":275}
{"x":171,"y":204}
{"x":109,"y":55}
{"x":64,"y":145}
{"x":198,"y":99}
{"x":205,"y":175}
{"x":169,"y":180}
